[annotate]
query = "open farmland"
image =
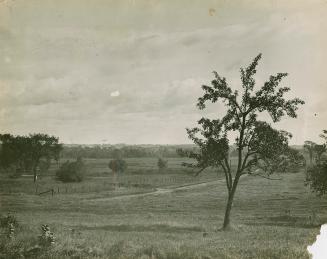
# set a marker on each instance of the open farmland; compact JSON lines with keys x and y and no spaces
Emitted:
{"x":152,"y":129}
{"x":167,"y":214}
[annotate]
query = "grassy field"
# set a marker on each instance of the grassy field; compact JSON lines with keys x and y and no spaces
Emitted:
{"x":147,"y":215}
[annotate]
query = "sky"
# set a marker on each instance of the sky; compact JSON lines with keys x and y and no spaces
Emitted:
{"x":131,"y":71}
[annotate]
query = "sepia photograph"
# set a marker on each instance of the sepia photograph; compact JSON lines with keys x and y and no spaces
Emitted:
{"x":163,"y":129}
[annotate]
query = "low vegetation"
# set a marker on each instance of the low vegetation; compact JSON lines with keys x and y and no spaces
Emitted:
{"x":316,"y":178}
{"x":93,"y":220}
{"x":316,"y":173}
{"x":71,"y":171}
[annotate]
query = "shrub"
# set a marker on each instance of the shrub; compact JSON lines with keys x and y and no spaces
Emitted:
{"x":162,"y":164}
{"x":294,"y":160}
{"x":316,"y":178}
{"x":71,"y":171}
{"x":47,"y":238}
{"x":118,"y":165}
{"x":5,"y":221}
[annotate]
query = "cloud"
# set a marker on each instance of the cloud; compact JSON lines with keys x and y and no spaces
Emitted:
{"x":55,"y":74}
{"x":115,"y":94}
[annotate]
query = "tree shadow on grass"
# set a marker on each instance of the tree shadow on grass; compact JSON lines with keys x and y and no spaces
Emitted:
{"x":288,"y":221}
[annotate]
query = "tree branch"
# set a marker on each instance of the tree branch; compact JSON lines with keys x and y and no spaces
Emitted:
{"x":198,"y":172}
{"x":228,"y":183}
{"x":229,"y":173}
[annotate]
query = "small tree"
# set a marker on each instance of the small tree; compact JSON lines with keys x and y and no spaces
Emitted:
{"x":316,"y":175}
{"x":316,"y":178}
{"x":257,"y":142}
{"x":309,"y":146}
{"x":162,"y":164}
{"x":71,"y":171}
{"x":323,"y":135}
{"x":319,"y":151}
{"x":316,"y":150}
{"x":118,"y":165}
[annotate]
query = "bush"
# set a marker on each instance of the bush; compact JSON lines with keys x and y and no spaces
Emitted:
{"x":5,"y":221}
{"x":294,"y":160}
{"x":162,"y":164}
{"x":9,"y":223}
{"x":118,"y":165}
{"x":71,"y":171}
{"x":316,"y":178}
{"x":47,"y":238}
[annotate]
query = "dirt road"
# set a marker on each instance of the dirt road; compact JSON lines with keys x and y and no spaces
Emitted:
{"x":159,"y":191}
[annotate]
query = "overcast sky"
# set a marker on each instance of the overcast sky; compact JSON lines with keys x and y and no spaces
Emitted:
{"x":131,"y":71}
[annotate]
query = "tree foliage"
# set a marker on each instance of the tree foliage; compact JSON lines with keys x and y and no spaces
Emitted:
{"x":26,"y":153}
{"x":316,"y":150}
{"x":128,"y":151}
{"x":316,"y":178}
{"x":316,"y":174}
{"x":319,"y":150}
{"x":258,"y":144}
{"x":309,"y":146}
{"x":118,"y":165}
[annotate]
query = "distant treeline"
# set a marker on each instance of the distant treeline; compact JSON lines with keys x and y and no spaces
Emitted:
{"x":126,"y":151}
{"x":129,"y":151}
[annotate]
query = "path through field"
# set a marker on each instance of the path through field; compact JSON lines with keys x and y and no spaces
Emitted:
{"x":160,"y":191}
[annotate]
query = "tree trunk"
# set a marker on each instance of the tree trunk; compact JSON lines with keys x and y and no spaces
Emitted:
{"x":114,"y":178}
{"x":34,"y":175}
{"x":229,"y":205}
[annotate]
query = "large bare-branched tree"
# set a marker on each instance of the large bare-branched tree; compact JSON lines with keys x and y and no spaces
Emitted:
{"x":260,"y":148}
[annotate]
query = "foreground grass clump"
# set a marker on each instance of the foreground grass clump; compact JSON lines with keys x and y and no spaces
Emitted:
{"x":22,"y":241}
{"x":243,"y":242}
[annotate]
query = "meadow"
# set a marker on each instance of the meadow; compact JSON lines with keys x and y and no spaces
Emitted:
{"x":147,"y":213}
